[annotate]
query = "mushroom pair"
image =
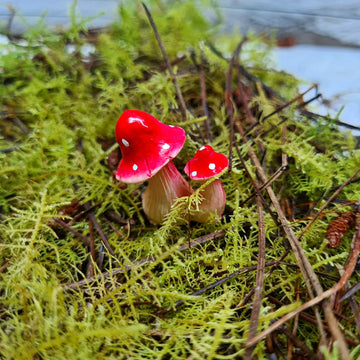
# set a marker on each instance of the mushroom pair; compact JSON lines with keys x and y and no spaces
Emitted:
{"x":148,"y":147}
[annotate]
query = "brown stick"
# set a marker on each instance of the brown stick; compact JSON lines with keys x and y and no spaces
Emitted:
{"x":247,"y":297}
{"x":92,"y":251}
{"x":351,"y":292}
{"x":352,"y":259}
{"x":328,"y":201}
{"x":282,"y":107}
{"x":229,"y":100}
{"x":203,"y":99}
{"x":195,"y":242}
{"x":167,"y":61}
{"x":255,"y":313}
{"x":306,"y":113}
{"x":309,"y":275}
{"x":296,"y":321}
{"x":256,"y":186}
{"x":355,"y":309}
{"x":298,"y":343}
{"x":238,"y":272}
{"x":245,"y":104}
{"x":271,"y":179}
{"x":314,"y":301}
{"x":220,"y":282}
{"x":65,"y":226}
{"x":103,"y":237}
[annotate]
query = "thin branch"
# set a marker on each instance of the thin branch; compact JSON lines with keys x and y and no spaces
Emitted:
{"x":10,"y":20}
{"x":303,"y":104}
{"x":90,"y":271}
{"x":247,"y":297}
{"x":328,"y":201}
{"x":10,"y":149}
{"x":314,"y":301}
{"x":255,"y":184}
{"x":351,"y":182}
{"x":297,"y":98}
{"x":83,"y":213}
{"x":167,"y":61}
{"x":258,"y":293}
{"x":355,"y":309}
{"x":114,"y":229}
{"x":245,"y":104}
{"x":113,"y":216}
{"x":203,"y":99}
{"x":65,"y":226}
{"x":308,"y":273}
{"x":295,"y":322}
{"x":351,"y":292}
{"x":98,"y":229}
{"x":352,"y":259}
{"x":228,"y":98}
{"x":298,"y":343}
{"x":310,"y":319}
{"x":315,"y":116}
{"x":306,"y":113}
{"x":218,"y":283}
{"x":238,"y":272}
{"x":271,"y":179}
{"x":196,"y":242}
{"x":279,"y":108}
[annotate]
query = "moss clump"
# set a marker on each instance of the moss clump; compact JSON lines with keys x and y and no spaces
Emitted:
{"x":145,"y":294}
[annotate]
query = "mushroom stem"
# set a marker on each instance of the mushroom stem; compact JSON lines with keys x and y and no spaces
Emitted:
{"x":213,"y":204}
{"x":163,"y":189}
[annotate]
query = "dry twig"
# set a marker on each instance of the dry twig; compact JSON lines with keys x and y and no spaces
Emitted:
{"x":314,"y":301}
{"x":328,"y":201}
{"x":149,"y":259}
{"x":103,"y":237}
{"x":255,"y":313}
{"x":309,"y":275}
{"x":228,"y":99}
{"x":203,"y":99}
{"x":307,"y":353}
{"x":65,"y":226}
{"x":351,"y":261}
{"x":167,"y":61}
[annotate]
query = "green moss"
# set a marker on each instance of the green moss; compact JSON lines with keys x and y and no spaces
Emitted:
{"x":67,"y":106}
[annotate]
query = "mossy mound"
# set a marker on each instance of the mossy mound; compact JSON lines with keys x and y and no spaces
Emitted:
{"x":102,"y":282}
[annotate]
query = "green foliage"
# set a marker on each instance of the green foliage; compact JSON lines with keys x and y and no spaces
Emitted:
{"x":59,"y":108}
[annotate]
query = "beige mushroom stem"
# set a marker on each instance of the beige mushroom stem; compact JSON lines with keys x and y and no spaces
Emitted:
{"x":163,"y":189}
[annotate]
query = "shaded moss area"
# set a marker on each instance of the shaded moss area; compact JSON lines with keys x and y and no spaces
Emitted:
{"x":103,"y":282}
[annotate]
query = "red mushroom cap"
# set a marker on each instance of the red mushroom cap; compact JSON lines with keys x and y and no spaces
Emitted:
{"x":146,"y":145}
{"x":206,"y":163}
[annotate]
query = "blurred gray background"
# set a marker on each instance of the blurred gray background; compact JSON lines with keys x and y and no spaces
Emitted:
{"x":320,"y":39}
{"x":310,"y":21}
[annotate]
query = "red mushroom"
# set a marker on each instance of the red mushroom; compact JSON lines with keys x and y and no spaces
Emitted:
{"x":147,"y":148}
{"x":205,"y":164}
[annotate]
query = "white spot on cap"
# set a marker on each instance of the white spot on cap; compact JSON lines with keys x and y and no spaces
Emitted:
{"x":171,"y":125}
{"x":126,"y":143}
{"x":166,"y":146}
{"x":137,"y":120}
{"x":193,"y":173}
{"x":202,"y":148}
{"x":135,"y":167}
{"x":211,"y":166}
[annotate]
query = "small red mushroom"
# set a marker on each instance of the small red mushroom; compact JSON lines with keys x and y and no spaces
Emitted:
{"x":148,"y":147}
{"x":205,"y":164}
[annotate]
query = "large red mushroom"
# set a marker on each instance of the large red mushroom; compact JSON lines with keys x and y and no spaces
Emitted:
{"x":148,"y":147}
{"x":206,"y":164}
